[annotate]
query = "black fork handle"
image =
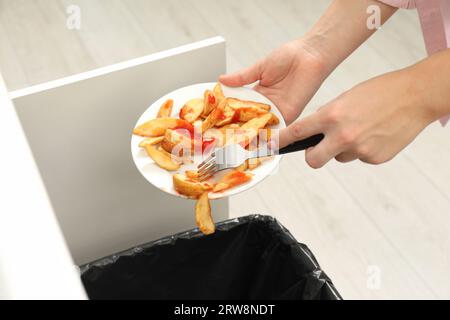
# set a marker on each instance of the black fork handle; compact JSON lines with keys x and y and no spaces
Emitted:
{"x":302,"y":144}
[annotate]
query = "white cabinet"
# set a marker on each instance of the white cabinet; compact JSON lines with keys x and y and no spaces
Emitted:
{"x":79,"y":130}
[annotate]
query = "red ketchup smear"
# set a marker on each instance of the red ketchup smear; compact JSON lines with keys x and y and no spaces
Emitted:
{"x":211,"y":99}
{"x":222,"y":116}
{"x":236,"y":178}
{"x":207,"y":142}
{"x":184,"y":111}
{"x":182,"y":124}
{"x":236,"y":116}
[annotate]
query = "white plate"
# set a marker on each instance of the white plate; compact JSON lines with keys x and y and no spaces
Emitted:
{"x":161,"y":178}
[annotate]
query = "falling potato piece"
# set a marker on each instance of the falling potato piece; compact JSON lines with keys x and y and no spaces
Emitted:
{"x":192,"y":110}
{"x":157,"y":127}
{"x":232,"y":179}
{"x":203,"y":216}
{"x":166,"y":109}
{"x":218,"y":93}
{"x":190,"y":187}
{"x":150,"y":141}
{"x":210,"y":102}
{"x":162,"y":159}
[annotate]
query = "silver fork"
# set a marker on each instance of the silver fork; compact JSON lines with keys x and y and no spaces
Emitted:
{"x":233,"y":155}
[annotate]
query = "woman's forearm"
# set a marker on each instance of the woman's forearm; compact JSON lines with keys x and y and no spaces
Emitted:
{"x":378,"y":118}
{"x":431,"y":82}
{"x":342,"y":29}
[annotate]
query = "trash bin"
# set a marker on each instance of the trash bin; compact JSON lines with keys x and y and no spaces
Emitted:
{"x":252,"y":257}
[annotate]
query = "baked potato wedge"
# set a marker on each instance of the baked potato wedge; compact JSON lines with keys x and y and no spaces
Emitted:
{"x":248,"y":131}
{"x":243,"y":166}
{"x":215,"y":116}
{"x":249,"y":164}
{"x":150,"y":141}
{"x":273,"y":121}
{"x":231,"y":126}
{"x":203,"y":216}
{"x":253,"y":163}
{"x":166,"y":109}
{"x":248,"y":113}
{"x":218,"y":93}
{"x":192,"y":110}
{"x":192,"y":174}
{"x":157,"y":127}
{"x":236,"y":103}
{"x":257,"y":123}
{"x":212,"y":138}
{"x":189,"y":187}
{"x":228,"y":117}
{"x":210,"y":102}
{"x":175,"y":142}
{"x":247,"y":110}
{"x":232,"y":179}
{"x":162,"y":159}
{"x":228,"y":132}
{"x":265,"y":134}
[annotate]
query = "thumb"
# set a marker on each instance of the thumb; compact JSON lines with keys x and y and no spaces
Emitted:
{"x":243,"y":77}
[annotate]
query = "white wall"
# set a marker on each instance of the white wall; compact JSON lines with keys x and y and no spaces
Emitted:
{"x":34,"y":260}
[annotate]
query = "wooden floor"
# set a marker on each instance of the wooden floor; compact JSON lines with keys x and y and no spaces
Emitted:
{"x":361,"y":221}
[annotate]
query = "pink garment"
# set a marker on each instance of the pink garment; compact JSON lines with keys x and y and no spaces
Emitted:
{"x":435,"y":21}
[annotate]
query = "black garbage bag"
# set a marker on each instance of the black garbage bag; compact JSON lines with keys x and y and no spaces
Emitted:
{"x":252,"y":257}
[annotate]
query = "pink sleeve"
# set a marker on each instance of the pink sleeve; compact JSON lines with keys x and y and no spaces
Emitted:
{"x":404,"y":4}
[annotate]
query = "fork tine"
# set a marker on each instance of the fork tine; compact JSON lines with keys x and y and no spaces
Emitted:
{"x":207,"y":167}
{"x":205,"y":177}
{"x":208,"y":173}
{"x":207,"y":164}
{"x":211,"y":157}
